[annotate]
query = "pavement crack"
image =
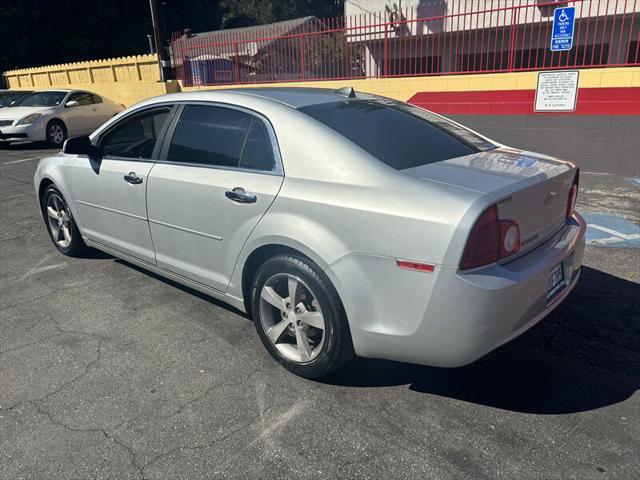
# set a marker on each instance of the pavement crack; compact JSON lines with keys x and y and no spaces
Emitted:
{"x":42,"y":340}
{"x":215,"y":387}
{"x":208,"y":444}
{"x":65,"y":384}
{"x":102,"y":431}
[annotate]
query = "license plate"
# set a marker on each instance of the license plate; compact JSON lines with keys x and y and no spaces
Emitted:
{"x":556,"y":280}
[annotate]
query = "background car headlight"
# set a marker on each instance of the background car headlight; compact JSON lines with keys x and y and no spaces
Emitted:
{"x":29,"y":119}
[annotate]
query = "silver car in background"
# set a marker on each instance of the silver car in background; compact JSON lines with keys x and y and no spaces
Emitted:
{"x":343,"y":223}
{"x":55,"y":115}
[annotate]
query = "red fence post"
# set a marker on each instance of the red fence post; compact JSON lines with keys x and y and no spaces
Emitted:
{"x":237,"y":63}
{"x":301,"y":48}
{"x":386,"y":51}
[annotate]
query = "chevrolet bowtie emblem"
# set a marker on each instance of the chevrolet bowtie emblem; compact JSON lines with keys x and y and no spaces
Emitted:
{"x":548,"y":199}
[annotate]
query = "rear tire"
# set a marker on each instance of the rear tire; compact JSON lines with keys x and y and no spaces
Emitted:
{"x":56,"y":133}
{"x":299,"y":316}
{"x":60,"y":224}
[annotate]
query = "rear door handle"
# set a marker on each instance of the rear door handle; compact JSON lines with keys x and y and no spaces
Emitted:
{"x":239,"y":195}
{"x":133,"y":178}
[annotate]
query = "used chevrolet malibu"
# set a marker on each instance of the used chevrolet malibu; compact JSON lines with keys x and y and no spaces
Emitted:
{"x":343,"y":223}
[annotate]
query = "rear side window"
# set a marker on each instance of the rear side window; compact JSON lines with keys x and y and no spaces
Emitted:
{"x":400,"y":135}
{"x":210,"y":135}
{"x":258,"y":150}
{"x":95,"y":98}
{"x":135,"y":137}
{"x":83,"y":98}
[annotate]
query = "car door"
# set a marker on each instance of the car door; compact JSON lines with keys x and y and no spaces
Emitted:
{"x":218,"y":173}
{"x":109,"y":191}
{"x":79,"y":118}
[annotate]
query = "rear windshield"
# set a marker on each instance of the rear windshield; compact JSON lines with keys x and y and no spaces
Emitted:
{"x":398,"y":134}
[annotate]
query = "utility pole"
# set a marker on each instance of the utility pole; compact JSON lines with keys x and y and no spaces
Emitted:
{"x":159,"y":36}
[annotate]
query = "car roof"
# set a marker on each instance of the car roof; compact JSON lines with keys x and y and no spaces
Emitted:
{"x":295,"y":97}
{"x":66,"y":90}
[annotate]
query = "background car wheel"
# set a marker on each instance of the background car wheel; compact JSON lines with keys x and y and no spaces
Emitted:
{"x":60,"y":223}
{"x":299,"y":316}
{"x":56,"y":133}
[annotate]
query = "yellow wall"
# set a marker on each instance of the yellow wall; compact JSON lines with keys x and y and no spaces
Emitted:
{"x":126,"y":80}
{"x":131,"y":79}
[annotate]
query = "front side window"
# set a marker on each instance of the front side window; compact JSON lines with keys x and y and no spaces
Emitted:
{"x":210,"y":135}
{"x":399,"y":135}
{"x":135,"y":137}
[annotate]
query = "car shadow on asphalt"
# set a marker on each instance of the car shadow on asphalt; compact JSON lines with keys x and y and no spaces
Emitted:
{"x":184,"y":288}
{"x":584,"y":356}
{"x":23,"y":146}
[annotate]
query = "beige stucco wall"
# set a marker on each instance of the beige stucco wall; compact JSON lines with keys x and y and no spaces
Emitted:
{"x":126,"y":80}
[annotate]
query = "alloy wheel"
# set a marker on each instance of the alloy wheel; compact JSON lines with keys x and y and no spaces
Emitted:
{"x":56,"y":133}
{"x":59,"y":221}
{"x":291,"y":318}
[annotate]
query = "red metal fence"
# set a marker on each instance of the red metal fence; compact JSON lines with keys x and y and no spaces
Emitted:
{"x":446,"y":37}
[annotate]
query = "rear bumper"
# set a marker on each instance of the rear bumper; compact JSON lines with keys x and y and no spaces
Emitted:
{"x":451,"y":318}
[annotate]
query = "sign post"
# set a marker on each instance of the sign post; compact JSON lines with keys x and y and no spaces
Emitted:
{"x":562,"y":32}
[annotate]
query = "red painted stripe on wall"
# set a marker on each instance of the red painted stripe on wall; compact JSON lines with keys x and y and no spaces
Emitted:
{"x":591,"y":101}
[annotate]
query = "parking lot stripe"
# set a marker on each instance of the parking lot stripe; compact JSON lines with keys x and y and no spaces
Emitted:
{"x":610,"y":231}
{"x":21,"y":160}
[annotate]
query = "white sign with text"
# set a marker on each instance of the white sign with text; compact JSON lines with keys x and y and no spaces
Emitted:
{"x":557,"y":91}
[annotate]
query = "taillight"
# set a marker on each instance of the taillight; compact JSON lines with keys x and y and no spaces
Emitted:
{"x":509,"y":238}
{"x":490,"y":240}
{"x":573,"y":195}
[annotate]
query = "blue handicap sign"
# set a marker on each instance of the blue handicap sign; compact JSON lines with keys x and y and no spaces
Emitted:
{"x":562,"y":32}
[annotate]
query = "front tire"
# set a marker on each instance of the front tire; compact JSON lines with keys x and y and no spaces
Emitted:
{"x":56,"y":133}
{"x":60,"y":224}
{"x":299,"y":317}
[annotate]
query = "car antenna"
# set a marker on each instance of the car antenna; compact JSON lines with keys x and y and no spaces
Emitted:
{"x":347,"y":92}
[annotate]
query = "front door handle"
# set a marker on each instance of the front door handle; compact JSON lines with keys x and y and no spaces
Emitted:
{"x":132,"y":178}
{"x":239,"y":195}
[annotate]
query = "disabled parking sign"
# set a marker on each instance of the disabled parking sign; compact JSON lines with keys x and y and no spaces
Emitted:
{"x":562,"y":32}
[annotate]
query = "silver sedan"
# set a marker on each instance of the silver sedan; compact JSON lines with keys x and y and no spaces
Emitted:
{"x":344,"y":223}
{"x":55,"y":115}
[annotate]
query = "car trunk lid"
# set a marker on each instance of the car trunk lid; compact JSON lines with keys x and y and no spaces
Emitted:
{"x":532,"y":189}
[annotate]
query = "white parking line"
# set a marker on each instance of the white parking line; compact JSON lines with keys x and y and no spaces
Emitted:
{"x":21,"y":160}
{"x":610,"y":231}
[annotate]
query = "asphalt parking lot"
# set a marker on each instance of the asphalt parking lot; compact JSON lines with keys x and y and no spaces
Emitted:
{"x":107,"y":371}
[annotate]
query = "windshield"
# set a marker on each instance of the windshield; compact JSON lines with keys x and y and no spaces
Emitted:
{"x":7,"y":97}
{"x":41,"y":99}
{"x":398,"y":134}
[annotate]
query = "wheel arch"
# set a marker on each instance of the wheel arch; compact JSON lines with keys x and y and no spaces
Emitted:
{"x":42,"y":186}
{"x":58,"y":119}
{"x":256,"y":258}
{"x":262,"y":253}
{"x":56,"y":170}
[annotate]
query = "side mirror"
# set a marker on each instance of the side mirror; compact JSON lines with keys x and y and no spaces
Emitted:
{"x":79,"y":146}
{"x":71,"y":103}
